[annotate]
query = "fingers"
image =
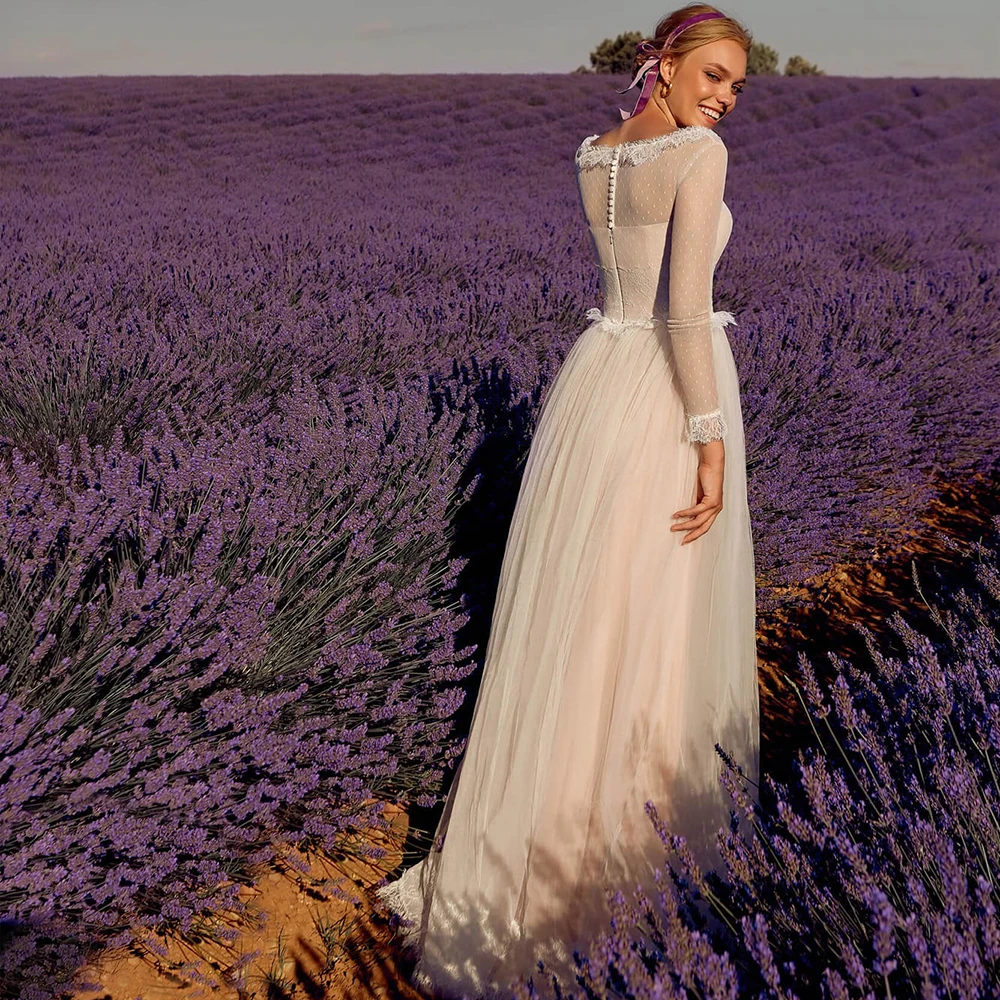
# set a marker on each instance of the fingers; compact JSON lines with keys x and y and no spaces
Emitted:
{"x":697,"y":528}
{"x":695,"y":522}
{"x":701,"y":516}
{"x":706,"y":503}
{"x":700,"y":519}
{"x":698,"y":532}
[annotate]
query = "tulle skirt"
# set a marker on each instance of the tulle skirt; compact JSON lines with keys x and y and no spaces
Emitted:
{"x":617,"y":658}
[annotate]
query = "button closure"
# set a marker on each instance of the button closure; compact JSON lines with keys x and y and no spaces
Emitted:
{"x":612,"y":178}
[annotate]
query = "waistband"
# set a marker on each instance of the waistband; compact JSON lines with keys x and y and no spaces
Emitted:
{"x":718,"y":320}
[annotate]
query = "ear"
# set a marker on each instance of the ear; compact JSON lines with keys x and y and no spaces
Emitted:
{"x":666,"y":67}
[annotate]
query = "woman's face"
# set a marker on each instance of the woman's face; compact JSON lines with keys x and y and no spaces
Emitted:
{"x":709,"y":77}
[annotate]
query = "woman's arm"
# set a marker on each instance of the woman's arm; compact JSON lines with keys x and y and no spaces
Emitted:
{"x":693,"y":234}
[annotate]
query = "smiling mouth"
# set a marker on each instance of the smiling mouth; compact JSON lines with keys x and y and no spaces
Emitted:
{"x":711,"y":117}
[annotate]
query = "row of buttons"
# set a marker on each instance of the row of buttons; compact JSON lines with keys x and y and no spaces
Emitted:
{"x":611,"y":186}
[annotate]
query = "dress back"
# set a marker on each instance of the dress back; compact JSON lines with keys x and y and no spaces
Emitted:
{"x":628,"y":194}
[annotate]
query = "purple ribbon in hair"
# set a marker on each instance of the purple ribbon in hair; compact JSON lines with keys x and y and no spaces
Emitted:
{"x":648,"y":49}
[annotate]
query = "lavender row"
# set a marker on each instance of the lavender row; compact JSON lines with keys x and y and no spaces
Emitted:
{"x":435,"y":225}
{"x":226,"y":636}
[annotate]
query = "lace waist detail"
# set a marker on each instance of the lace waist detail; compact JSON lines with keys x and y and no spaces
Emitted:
{"x":616,"y":327}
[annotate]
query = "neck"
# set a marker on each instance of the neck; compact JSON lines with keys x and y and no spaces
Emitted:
{"x":662,"y":110}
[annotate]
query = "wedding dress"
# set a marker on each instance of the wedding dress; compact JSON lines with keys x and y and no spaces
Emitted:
{"x":617,"y":656}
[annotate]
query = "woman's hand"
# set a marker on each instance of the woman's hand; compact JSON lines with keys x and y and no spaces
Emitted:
{"x":711,"y":471}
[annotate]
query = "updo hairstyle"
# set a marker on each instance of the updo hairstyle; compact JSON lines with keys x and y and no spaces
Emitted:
{"x":711,"y":30}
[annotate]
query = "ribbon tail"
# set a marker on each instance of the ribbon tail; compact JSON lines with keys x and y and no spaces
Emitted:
{"x":645,"y":93}
{"x":638,"y":75}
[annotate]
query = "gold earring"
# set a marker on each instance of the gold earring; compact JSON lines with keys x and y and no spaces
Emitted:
{"x":665,"y":88}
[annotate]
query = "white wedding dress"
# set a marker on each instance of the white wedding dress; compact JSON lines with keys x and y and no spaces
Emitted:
{"x":617,"y":657}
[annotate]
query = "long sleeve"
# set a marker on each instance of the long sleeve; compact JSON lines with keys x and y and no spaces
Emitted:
{"x":694,"y":228}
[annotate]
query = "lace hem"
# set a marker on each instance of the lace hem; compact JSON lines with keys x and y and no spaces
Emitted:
{"x":405,"y":897}
{"x":705,"y":427}
{"x":638,"y":150}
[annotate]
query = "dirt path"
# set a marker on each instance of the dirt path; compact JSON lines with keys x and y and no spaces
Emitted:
{"x":308,"y":942}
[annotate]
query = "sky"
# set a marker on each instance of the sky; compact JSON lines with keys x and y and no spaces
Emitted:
{"x":875,"y":38}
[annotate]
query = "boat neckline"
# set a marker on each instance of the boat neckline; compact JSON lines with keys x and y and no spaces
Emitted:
{"x":639,"y":142}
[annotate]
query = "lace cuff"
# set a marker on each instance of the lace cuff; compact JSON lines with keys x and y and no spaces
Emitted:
{"x":705,"y":427}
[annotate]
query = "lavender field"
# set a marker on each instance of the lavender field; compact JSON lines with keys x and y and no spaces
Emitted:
{"x":271,"y":353}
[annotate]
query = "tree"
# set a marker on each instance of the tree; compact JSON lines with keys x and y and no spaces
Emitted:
{"x":797,"y":66}
{"x":762,"y":60}
{"x":618,"y":55}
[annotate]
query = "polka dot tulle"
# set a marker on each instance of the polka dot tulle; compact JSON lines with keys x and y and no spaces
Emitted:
{"x":659,"y":226}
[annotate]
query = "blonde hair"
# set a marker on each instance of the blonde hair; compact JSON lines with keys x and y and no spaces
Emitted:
{"x":711,"y":30}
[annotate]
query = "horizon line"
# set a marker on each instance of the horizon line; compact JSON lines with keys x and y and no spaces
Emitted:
{"x":572,"y":72}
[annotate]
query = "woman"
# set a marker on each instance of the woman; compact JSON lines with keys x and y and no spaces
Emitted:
{"x":623,"y":637}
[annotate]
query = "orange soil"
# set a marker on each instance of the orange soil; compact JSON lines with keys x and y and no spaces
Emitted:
{"x":308,"y":942}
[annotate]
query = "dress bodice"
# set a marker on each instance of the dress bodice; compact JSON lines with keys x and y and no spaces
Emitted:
{"x":659,"y":226}
{"x":628,"y":194}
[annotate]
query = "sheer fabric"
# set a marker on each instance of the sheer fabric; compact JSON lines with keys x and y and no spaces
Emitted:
{"x":665,"y":209}
{"x":617,"y":657}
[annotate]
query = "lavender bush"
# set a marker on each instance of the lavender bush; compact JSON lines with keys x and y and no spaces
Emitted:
{"x":211,"y":641}
{"x":271,"y":352}
{"x":872,"y":875}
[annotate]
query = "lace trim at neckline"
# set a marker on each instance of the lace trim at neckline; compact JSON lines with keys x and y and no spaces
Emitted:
{"x":637,"y":150}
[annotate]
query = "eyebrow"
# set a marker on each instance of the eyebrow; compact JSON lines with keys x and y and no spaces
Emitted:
{"x":725,"y":71}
